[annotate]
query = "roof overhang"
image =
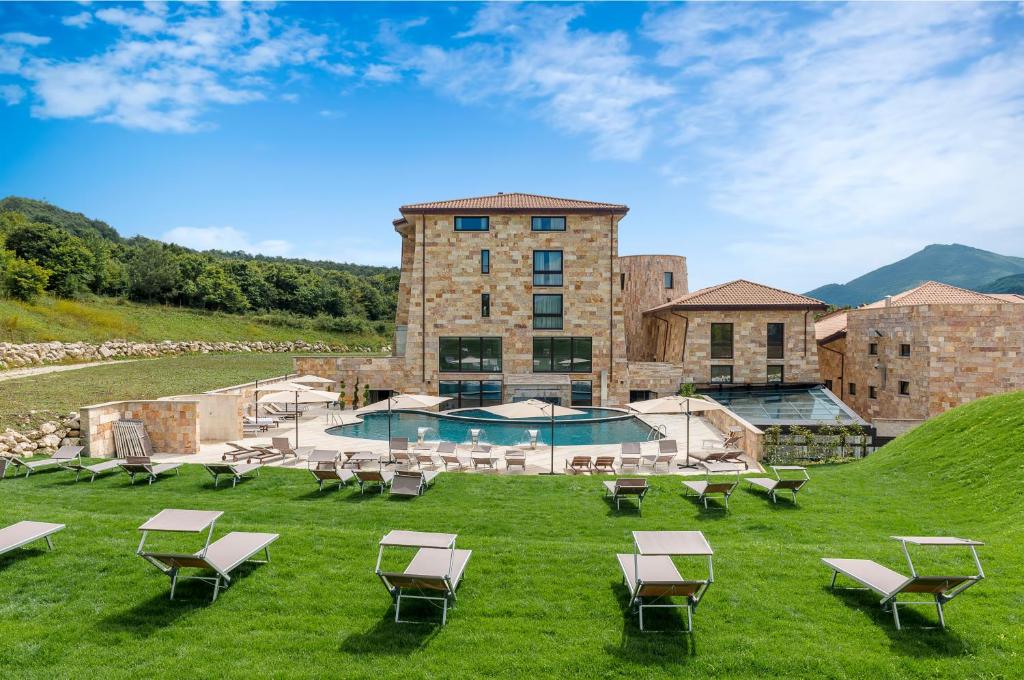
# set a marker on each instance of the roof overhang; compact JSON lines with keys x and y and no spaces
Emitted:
{"x":617,"y":210}
{"x":733,"y":308}
{"x":834,"y":336}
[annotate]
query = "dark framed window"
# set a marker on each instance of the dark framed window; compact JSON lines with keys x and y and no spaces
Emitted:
{"x":476,"y":223}
{"x":547,"y":312}
{"x":721,"y":341}
{"x":469,"y":355}
{"x":548,"y":224}
{"x":904,"y":350}
{"x":775,"y":374}
{"x":828,"y":385}
{"x":872,"y":392}
{"x":622,"y":282}
{"x":485,"y":261}
{"x":904,"y":388}
{"x":563,"y":355}
{"x":470,"y":393}
{"x":582,"y":393}
{"x":852,"y":389}
{"x":547,"y":267}
{"x":776,"y":340}
{"x":668,"y":280}
{"x":485,"y":305}
{"x":721,"y":374}
{"x":873,"y":349}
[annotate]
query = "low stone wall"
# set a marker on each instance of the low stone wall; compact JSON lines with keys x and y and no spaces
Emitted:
{"x":752,"y":439}
{"x":47,"y":438}
{"x":380,"y":373}
{"x":39,"y":353}
{"x":886,"y":428}
{"x":173,"y":425}
{"x":220,"y":415}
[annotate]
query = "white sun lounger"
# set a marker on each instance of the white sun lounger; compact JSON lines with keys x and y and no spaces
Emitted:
{"x":652,"y":578}
{"x":778,"y":483}
{"x":22,"y":533}
{"x":412,"y":483}
{"x":221,"y":557}
{"x":143,"y":465}
{"x":891,"y":584}
{"x":62,"y":457}
{"x":706,"y":487}
{"x":325,"y":466}
{"x":237,"y":471}
{"x":625,"y":487}
{"x":433,"y":574}
{"x":94,"y":469}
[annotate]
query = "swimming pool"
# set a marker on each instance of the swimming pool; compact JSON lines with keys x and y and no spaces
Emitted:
{"x":787,"y":406}
{"x":595,"y":426}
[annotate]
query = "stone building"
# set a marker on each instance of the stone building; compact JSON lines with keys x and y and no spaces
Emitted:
{"x":904,"y":359}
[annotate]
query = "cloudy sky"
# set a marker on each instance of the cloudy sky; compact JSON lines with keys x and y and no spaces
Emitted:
{"x":794,"y":145}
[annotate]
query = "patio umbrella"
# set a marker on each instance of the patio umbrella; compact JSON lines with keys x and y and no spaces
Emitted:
{"x":402,"y":401}
{"x":534,"y":408}
{"x":305,"y":396}
{"x":276,"y":386}
{"x":677,"y":404}
{"x":311,"y":380}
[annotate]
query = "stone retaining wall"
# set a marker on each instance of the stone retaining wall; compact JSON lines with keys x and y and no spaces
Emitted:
{"x":173,"y":426}
{"x":752,"y":437}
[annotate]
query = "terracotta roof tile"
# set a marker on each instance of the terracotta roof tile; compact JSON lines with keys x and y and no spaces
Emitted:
{"x":828,"y":326}
{"x":741,"y":294}
{"x":935,"y":293}
{"x":1008,"y":297}
{"x":514,"y":202}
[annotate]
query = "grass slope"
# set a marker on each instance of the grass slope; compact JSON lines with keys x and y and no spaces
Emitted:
{"x":102,"y":319}
{"x":543,"y":596}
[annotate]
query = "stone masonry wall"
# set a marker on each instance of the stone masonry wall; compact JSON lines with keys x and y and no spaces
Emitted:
{"x":643,"y":289}
{"x":173,"y":426}
{"x":831,"y":364}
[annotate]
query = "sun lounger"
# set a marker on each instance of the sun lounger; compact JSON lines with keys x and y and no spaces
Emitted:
{"x":93,"y":470}
{"x":144,"y":465}
{"x":449,"y":455}
{"x":604,"y":464}
{"x":731,"y":442}
{"x":773,"y":486}
{"x":727,"y":456}
{"x":237,"y":471}
{"x":403,"y":459}
{"x":629,"y":455}
{"x":433,"y":574}
{"x":483,"y":455}
{"x":702,"y":489}
{"x":64,"y":456}
{"x":381,"y":478}
{"x":325,"y":467}
{"x":515,"y":458}
{"x":398,"y":445}
{"x":625,"y":488}
{"x":654,"y":460}
{"x":579,"y":464}
{"x":221,"y":557}
{"x":238,"y":451}
{"x":412,"y":483}
{"x":891,"y":584}
{"x":652,"y":577}
{"x":25,"y":532}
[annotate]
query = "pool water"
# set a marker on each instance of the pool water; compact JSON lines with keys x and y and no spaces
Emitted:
{"x":597,"y":426}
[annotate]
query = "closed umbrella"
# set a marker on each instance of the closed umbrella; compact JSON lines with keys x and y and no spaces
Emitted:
{"x":297,"y":397}
{"x":534,"y":408}
{"x":402,"y":401}
{"x":677,"y":404}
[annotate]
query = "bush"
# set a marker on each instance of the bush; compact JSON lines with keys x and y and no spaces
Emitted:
{"x":24,"y":280}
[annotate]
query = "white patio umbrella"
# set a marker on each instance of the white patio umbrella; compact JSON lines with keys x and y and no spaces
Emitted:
{"x":277,"y":387}
{"x":297,"y":397}
{"x":677,"y":404}
{"x":311,"y":380}
{"x":401,"y":401}
{"x":534,"y":408}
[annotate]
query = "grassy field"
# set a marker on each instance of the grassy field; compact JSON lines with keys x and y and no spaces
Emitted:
{"x":58,"y":393}
{"x":102,"y":319}
{"x":543,"y":595}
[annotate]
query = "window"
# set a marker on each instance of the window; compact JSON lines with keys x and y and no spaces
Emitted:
{"x":721,"y":374}
{"x":872,"y":392}
{"x":776,"y":340}
{"x":852,"y":389}
{"x":622,"y":282}
{"x":470,"y":393}
{"x":485,"y":262}
{"x":472,"y":224}
{"x":904,"y":350}
{"x":562,"y":355}
{"x":641,"y":395}
{"x":547,"y":268}
{"x":549,"y":224}
{"x":547,"y":312}
{"x":828,"y":385}
{"x":667,"y":278}
{"x":904,"y":388}
{"x":469,"y":355}
{"x":485,"y":305}
{"x":775,"y":374}
{"x":721,"y":341}
{"x":582,"y":393}
{"x":873,"y":349}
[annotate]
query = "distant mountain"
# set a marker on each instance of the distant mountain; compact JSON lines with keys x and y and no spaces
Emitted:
{"x":1007,"y":284}
{"x":955,"y":264}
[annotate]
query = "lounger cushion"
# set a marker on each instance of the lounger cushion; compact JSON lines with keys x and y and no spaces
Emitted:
{"x":406,"y":485}
{"x":881,"y":579}
{"x":17,"y":535}
{"x":228,"y":552}
{"x":435,"y":563}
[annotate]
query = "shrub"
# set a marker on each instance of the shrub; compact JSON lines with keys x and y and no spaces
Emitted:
{"x":23,"y":279}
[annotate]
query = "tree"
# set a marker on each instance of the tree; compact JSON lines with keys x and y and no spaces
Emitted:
{"x":219,"y":291}
{"x":23,"y":280}
{"x":67,"y":258}
{"x":152,"y":273}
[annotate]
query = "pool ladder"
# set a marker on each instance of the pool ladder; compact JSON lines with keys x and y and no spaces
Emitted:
{"x":657,"y":432}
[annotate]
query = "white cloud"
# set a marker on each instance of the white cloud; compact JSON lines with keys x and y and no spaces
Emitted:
{"x":12,"y":94}
{"x":142,"y":22}
{"x":28,"y":39}
{"x":382,"y":73}
{"x":80,"y":20}
{"x":290,"y":97}
{"x":225,"y":238}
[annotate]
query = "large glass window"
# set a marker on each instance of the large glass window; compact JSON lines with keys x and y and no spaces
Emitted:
{"x":485,"y":261}
{"x":775,"y":374}
{"x":721,"y":341}
{"x":776,"y":340}
{"x":548,"y":224}
{"x":582,"y":393}
{"x":470,"y":393}
{"x":472,"y":224}
{"x":721,"y":374}
{"x":547,"y":267}
{"x":562,"y":355}
{"x":469,"y":355}
{"x":547,"y":311}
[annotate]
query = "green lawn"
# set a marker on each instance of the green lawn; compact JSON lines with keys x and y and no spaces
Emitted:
{"x":543,"y":596}
{"x":58,"y":393}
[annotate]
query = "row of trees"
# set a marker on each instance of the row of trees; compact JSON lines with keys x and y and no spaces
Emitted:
{"x":37,"y":257}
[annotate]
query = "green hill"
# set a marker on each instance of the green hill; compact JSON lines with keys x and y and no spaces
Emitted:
{"x":74,"y":222}
{"x":1007,"y":284}
{"x":955,"y":264}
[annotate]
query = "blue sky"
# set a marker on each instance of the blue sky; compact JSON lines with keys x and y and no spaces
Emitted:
{"x":793,"y":145}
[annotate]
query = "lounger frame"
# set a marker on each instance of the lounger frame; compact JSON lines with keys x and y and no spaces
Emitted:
{"x":635,"y":487}
{"x":398,"y":582}
{"x":706,"y":488}
{"x":46,"y":531}
{"x":793,"y":485}
{"x":218,"y":470}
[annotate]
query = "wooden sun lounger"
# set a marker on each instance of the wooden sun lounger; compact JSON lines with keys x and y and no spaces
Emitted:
{"x":433,"y":574}
{"x":25,"y":532}
{"x":238,"y":451}
{"x":143,"y":465}
{"x":94,"y":469}
{"x":891,"y":584}
{"x":61,"y":458}
{"x":237,"y":471}
{"x":604,"y":464}
{"x":410,"y":483}
{"x":325,"y":466}
{"x":381,"y":478}
{"x":627,"y":487}
{"x":579,"y":464}
{"x":778,"y":483}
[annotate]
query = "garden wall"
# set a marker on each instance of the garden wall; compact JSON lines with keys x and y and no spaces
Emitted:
{"x":173,"y":425}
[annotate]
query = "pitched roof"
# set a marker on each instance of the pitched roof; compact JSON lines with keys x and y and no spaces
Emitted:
{"x":1008,"y":297}
{"x":831,"y":326}
{"x":935,"y":293}
{"x":515,"y":202}
{"x":741,"y":294}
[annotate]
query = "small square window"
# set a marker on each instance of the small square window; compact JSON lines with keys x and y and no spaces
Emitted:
{"x":472,"y":224}
{"x":485,"y":305}
{"x":669,"y":280}
{"x":721,"y":374}
{"x":485,"y":261}
{"x":904,"y":388}
{"x":548,"y":224}
{"x":852,"y":389}
{"x":904,"y":350}
{"x":774,"y":374}
{"x":872,"y":392}
{"x":873,"y":349}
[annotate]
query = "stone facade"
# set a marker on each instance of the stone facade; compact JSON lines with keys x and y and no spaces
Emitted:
{"x":832,"y":363}
{"x":642,"y":281}
{"x":173,"y":426}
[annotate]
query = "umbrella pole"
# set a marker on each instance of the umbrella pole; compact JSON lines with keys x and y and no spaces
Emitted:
{"x":687,"y":435}
{"x":552,"y":439}
{"x":296,"y":420}
{"x":389,"y":429}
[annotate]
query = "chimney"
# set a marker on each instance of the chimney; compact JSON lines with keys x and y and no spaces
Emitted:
{"x":888,"y":301}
